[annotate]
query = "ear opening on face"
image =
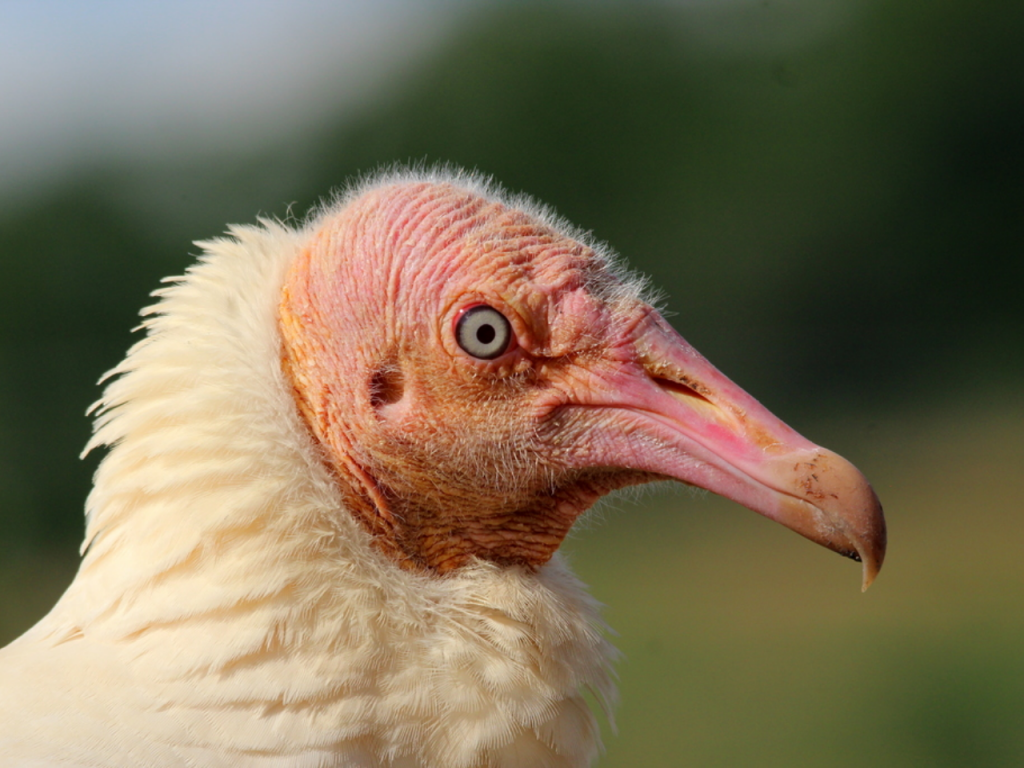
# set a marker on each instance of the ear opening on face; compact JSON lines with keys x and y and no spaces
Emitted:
{"x":387,"y":385}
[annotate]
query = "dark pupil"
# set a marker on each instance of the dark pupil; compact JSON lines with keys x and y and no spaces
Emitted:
{"x":485,"y":334}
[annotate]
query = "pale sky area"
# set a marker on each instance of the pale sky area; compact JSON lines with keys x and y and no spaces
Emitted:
{"x":85,"y":80}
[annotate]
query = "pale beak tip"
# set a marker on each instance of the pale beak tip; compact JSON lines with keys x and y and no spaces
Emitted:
{"x":871,"y":544}
{"x":839,"y":509}
{"x":870,"y":572}
{"x":850,"y":504}
{"x":873,"y":563}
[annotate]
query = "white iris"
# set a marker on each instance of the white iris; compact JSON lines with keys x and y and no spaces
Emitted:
{"x":483,"y":332}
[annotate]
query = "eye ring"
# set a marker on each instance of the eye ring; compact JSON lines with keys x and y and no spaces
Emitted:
{"x":483,"y":332}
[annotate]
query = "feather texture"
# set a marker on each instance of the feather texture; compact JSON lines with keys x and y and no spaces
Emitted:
{"x":229,"y":611}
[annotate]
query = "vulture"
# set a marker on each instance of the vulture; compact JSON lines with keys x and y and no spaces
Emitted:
{"x":338,"y":470}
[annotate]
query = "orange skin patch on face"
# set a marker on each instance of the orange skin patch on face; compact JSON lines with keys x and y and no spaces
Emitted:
{"x":440,"y":456}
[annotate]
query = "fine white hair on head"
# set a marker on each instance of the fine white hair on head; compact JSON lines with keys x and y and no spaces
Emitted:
{"x":620,"y":282}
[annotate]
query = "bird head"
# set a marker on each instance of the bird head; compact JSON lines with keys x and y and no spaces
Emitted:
{"x":476,"y":374}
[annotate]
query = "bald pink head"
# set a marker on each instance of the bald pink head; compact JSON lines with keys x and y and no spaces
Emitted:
{"x":477,"y":378}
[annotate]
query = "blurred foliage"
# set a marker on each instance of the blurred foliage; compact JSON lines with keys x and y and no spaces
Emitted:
{"x":829,"y":195}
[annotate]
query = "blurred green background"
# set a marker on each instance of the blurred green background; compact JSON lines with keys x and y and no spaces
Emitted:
{"x":831,"y":197}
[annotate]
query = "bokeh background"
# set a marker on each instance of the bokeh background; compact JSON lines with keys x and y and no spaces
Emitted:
{"x":829,"y":192}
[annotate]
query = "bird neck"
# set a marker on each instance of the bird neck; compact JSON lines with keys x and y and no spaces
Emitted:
{"x":224,"y":570}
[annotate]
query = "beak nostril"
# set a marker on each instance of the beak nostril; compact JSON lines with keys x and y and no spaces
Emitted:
{"x":680,"y":389}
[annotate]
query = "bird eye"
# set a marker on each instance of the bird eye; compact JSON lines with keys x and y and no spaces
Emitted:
{"x":483,"y":332}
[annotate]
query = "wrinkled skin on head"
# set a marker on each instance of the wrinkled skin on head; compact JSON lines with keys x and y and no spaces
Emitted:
{"x":444,"y":456}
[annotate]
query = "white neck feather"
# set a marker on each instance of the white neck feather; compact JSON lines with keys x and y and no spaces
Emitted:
{"x":222,"y":566}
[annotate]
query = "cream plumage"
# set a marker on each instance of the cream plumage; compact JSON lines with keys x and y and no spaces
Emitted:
{"x":258,"y":591}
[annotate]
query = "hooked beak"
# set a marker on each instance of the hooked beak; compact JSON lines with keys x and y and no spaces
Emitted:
{"x":669,"y":411}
